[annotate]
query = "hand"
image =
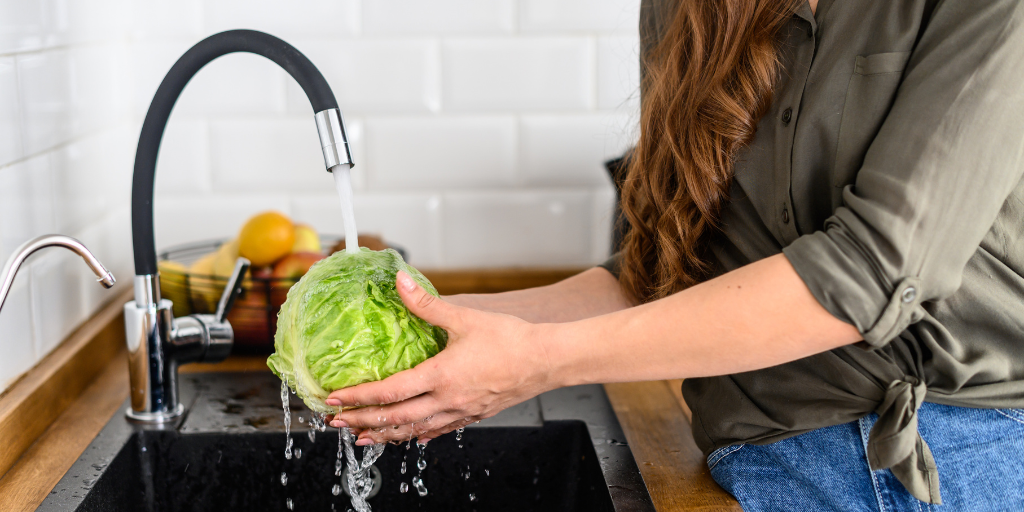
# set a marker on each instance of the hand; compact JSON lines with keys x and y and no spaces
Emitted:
{"x":492,"y":362}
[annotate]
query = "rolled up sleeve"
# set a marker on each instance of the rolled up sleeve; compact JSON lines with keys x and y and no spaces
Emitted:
{"x":933,"y":180}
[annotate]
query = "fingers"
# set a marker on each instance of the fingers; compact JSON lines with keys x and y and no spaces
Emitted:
{"x":406,"y":412}
{"x":425,"y":305}
{"x":400,"y":386}
{"x":433,"y":423}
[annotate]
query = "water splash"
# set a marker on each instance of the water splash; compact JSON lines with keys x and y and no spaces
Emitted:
{"x":337,"y":462}
{"x":417,"y":482}
{"x":287,"y":419}
{"x":358,"y":473}
{"x":421,"y":464}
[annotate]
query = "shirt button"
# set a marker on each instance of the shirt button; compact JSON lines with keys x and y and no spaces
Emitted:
{"x":787,"y":116}
{"x":909,"y":295}
{"x":785,"y":215}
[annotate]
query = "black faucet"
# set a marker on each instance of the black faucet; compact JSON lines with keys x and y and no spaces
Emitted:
{"x":158,"y":343}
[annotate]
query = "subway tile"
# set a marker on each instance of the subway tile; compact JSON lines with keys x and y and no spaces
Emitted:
{"x":618,"y":73}
{"x":326,"y":18}
{"x":406,"y":17}
{"x":268,"y":154}
{"x":535,"y":228}
{"x":85,"y":21}
{"x":553,"y":73}
{"x":110,"y":241}
{"x":23,"y":25}
{"x":16,"y":342}
{"x":155,"y":19}
{"x":188,"y":219}
{"x":570,"y":150}
{"x":98,"y":78}
{"x":442,"y":152}
{"x":57,"y":307}
{"x":579,"y":15}
{"x":238,"y":83}
{"x":410,"y":220}
{"x":26,"y":203}
{"x":183,"y":165}
{"x":45,"y":90}
{"x":603,"y":215}
{"x":10,"y":132}
{"x":378,"y":75}
{"x":93,"y":176}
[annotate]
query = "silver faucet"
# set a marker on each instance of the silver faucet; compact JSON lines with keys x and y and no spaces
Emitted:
{"x":158,"y":343}
{"x":24,"y":250}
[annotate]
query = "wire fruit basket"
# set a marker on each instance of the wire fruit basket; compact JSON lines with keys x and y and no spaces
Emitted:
{"x":254,"y":315}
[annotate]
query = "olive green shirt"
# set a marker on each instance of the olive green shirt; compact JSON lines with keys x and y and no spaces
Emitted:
{"x":888,"y":171}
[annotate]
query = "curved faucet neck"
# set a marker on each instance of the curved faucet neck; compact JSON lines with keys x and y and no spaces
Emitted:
{"x":26,"y":249}
{"x":283,"y":54}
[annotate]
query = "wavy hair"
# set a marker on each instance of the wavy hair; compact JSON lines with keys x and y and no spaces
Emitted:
{"x":706,"y":85}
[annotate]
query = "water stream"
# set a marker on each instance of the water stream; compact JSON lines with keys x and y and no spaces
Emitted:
{"x":343,"y":183}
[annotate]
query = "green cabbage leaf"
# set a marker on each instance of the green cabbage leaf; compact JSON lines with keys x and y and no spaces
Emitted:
{"x":344,"y":324}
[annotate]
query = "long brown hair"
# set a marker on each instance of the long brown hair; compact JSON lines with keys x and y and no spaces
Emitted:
{"x":706,"y":84}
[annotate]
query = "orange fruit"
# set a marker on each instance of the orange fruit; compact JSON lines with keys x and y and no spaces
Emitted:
{"x":266,"y":238}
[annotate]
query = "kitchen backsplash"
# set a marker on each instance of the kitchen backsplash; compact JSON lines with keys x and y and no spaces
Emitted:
{"x":479,"y":128}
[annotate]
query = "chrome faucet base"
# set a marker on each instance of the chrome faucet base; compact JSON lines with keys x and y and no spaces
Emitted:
{"x":154,"y":417}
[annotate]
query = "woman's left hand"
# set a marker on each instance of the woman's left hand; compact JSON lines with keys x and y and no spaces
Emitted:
{"x":492,"y":361}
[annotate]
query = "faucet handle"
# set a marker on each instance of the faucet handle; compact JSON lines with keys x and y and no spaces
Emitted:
{"x":231,"y":291}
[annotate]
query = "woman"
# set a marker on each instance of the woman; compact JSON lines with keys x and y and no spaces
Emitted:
{"x":824,"y":239}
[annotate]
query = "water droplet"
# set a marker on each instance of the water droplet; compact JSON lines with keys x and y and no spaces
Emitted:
{"x":403,"y":467}
{"x":472,"y":497}
{"x":298,"y":453}
{"x":487,"y":472}
{"x":337,"y":467}
{"x":284,"y":478}
{"x":421,"y":464}
{"x":421,"y":489}
{"x":301,"y":420}
{"x":336,"y":490}
{"x":403,"y":487}
{"x":311,"y":435}
{"x":465,"y":475}
{"x":288,"y":503}
{"x":458,"y":434}
{"x":143,"y":448}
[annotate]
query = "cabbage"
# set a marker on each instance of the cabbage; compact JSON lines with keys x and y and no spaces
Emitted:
{"x":344,"y":324}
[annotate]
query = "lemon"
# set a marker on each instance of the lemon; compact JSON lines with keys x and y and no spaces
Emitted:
{"x":266,"y":238}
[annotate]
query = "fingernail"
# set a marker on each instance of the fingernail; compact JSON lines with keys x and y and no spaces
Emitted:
{"x":406,"y":282}
{"x":364,"y":442}
{"x":339,"y":424}
{"x":332,"y":401}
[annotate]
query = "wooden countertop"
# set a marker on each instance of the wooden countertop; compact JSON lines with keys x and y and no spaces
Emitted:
{"x":92,"y":362}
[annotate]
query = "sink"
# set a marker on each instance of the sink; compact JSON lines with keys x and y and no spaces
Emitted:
{"x":561,"y":451}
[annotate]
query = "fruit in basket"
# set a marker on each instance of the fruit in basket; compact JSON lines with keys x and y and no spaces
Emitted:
{"x":266,"y":238}
{"x":224,"y":259}
{"x":306,"y":239}
{"x":295,"y":265}
{"x":203,"y":266}
{"x":344,"y":324}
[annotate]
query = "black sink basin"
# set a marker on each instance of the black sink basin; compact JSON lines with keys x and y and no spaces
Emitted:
{"x":561,"y":452}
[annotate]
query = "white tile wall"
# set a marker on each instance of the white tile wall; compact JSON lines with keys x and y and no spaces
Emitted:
{"x":518,"y":73}
{"x":478,"y":130}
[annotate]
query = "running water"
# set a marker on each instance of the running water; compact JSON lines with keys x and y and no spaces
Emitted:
{"x":421,"y":464}
{"x":359,"y":482}
{"x":343,"y":183}
{"x":287,"y":420}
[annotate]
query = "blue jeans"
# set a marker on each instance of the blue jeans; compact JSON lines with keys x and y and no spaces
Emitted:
{"x":979,"y":453}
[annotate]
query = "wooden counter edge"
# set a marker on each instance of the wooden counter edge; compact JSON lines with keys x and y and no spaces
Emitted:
{"x":659,"y":436}
{"x":30,"y":405}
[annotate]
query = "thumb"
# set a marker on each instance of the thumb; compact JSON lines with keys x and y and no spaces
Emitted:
{"x":425,"y":305}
